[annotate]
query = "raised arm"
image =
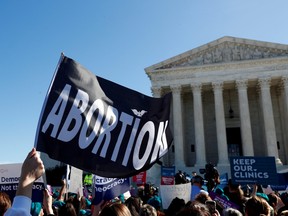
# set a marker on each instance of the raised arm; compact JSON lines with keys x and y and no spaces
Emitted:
{"x":32,"y":169}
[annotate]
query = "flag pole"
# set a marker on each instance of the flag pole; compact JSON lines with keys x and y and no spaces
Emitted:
{"x":62,"y":56}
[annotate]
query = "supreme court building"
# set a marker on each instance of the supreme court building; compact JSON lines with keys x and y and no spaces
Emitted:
{"x":230,"y":98}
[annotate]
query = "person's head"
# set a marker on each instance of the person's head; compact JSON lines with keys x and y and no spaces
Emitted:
{"x":175,"y":206}
{"x":156,"y":202}
{"x":198,"y":180}
{"x":73,"y":199}
{"x":134,"y":204}
{"x":231,"y":212}
{"x":147,"y":210}
{"x":284,"y":198}
{"x":5,"y":203}
{"x":273,"y":200}
{"x":202,"y":197}
{"x":67,"y":210}
{"x":212,"y":176}
{"x":284,"y":213}
{"x":116,"y":209}
{"x":256,"y":206}
{"x":233,"y":187}
{"x":83,"y":203}
{"x":194,"y":208}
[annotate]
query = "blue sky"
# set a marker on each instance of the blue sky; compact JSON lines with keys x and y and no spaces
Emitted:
{"x":114,"y":39}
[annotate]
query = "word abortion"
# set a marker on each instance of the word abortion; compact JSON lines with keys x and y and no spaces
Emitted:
{"x":105,"y":120}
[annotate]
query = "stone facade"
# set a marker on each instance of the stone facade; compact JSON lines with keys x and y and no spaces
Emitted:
{"x":230,"y":98}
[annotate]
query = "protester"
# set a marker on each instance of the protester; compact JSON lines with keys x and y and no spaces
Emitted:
{"x":284,"y":213}
{"x":147,"y":210}
{"x":47,"y":203}
{"x":284,"y":198}
{"x":231,"y":212}
{"x":256,"y":206}
{"x":202,"y":198}
{"x":32,"y":169}
{"x":5,"y":203}
{"x":212,"y":177}
{"x":180,"y":178}
{"x":134,"y":205}
{"x":116,"y":209}
{"x":220,"y":193}
{"x":194,"y":208}
{"x":197,"y":183}
{"x":88,"y":179}
{"x":156,"y":202}
{"x":236,"y":195}
{"x":67,"y":210}
{"x":85,"y":206}
{"x":175,"y":206}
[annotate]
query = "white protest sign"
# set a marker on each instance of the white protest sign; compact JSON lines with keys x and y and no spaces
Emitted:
{"x":10,"y":173}
{"x":169,"y":192}
{"x":75,"y":184}
{"x":9,"y":179}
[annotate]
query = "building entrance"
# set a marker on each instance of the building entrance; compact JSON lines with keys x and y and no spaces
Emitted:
{"x":234,"y":141}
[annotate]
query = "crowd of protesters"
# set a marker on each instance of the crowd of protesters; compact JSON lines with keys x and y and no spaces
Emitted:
{"x":147,"y":202}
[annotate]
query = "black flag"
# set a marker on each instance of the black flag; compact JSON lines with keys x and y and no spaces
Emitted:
{"x":101,"y":127}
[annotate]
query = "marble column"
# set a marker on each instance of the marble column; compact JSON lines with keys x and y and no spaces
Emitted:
{"x":285,"y":111}
{"x":269,"y":125}
{"x":220,"y":124}
{"x":285,"y":87}
{"x":178,"y":127}
{"x":199,"y":125}
{"x":246,"y":132}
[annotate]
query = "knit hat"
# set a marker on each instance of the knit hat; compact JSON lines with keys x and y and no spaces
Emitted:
{"x":155,"y":201}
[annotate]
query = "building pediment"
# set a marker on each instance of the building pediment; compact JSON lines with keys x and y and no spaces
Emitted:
{"x":223,"y":50}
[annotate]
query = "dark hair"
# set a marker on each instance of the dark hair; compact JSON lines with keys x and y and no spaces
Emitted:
{"x":175,"y":206}
{"x":147,"y":210}
{"x":67,"y":210}
{"x":212,"y":176}
{"x":194,"y":208}
{"x":284,"y":197}
{"x":202,"y":197}
{"x":180,"y":178}
{"x":198,"y":179}
{"x":257,"y":206}
{"x":134,"y":204}
{"x":5,"y":203}
{"x":116,"y":209}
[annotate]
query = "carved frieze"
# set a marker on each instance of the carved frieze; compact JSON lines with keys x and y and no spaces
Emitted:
{"x":226,"y":52}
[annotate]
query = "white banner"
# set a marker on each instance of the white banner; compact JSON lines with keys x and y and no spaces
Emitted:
{"x":75,"y":184}
{"x":169,"y":192}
